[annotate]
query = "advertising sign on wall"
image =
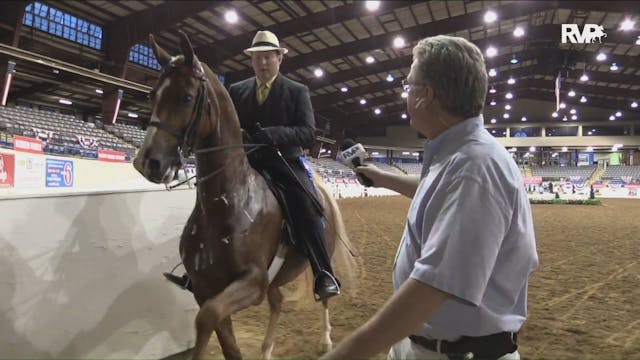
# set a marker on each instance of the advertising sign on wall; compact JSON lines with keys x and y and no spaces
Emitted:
{"x":29,"y":171}
{"x":6,"y":170}
{"x":60,"y":173}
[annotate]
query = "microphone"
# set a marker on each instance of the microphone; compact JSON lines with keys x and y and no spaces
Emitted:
{"x":352,"y":155}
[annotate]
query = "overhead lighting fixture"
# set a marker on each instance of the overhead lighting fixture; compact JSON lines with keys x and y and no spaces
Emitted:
{"x":132,"y":115}
{"x":231,"y":16}
{"x":627,"y":25}
{"x":490,"y":16}
{"x":491,"y":51}
{"x":524,"y":118}
{"x":404,"y":94}
{"x":377,"y":111}
{"x":618,"y":114}
{"x":574,"y":117}
{"x":492,"y":103}
{"x":634,"y":104}
{"x":589,"y":133}
{"x":505,"y":115}
{"x":612,"y":117}
{"x":583,"y":99}
{"x":389,"y":78}
{"x":370,"y":59}
{"x":492,"y":90}
{"x":507,"y":107}
{"x":363,"y":101}
{"x":99,"y":91}
{"x":398,"y":42}
{"x":564,"y":149}
{"x":532,"y":149}
{"x":344,"y":89}
{"x":614,"y":67}
{"x":493,"y":120}
{"x":563,"y":105}
{"x":571,"y":93}
{"x":514,"y":59}
{"x":511,"y":81}
{"x":564,"y":118}
{"x":493,"y":72}
{"x":404,"y":116}
{"x":508,"y":95}
{"x":372,"y":5}
{"x":584,"y":77}
{"x":554,"y":114}
{"x":318,"y":72}
{"x":638,"y":40}
{"x":601,"y":57}
{"x":572,"y":111}
{"x":518,"y":31}
{"x":65,"y":101}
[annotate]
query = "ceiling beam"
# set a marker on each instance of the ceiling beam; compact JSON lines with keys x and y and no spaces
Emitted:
{"x":412,"y":34}
{"x":214,"y":54}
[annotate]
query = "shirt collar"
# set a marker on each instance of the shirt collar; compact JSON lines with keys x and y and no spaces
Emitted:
{"x":268,"y":83}
{"x":453,"y":137}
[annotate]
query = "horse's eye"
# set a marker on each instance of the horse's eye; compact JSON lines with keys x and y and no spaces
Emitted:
{"x":187,"y":98}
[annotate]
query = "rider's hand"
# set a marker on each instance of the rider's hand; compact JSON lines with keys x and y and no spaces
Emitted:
{"x":263,"y":136}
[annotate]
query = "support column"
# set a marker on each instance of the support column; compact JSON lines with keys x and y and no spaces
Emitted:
{"x":111,"y":99}
{"x":508,"y":132}
{"x":9,"y":71}
{"x":579,"y":130}
{"x":12,"y":15}
{"x":544,"y":131}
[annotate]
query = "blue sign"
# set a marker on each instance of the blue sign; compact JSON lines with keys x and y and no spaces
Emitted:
{"x":59,"y":173}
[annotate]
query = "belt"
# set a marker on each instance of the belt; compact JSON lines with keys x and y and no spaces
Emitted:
{"x":485,"y":347}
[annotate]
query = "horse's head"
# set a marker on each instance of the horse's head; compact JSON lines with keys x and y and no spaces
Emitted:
{"x":181,"y":115}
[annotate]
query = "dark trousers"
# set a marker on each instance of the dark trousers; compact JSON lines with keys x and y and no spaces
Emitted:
{"x":291,"y":175}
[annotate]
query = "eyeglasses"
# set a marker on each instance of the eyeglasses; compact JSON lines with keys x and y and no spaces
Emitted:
{"x":406,"y":85}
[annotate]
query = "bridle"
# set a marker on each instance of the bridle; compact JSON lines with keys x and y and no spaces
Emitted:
{"x":186,"y":137}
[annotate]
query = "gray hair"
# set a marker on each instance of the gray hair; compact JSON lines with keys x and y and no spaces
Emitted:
{"x":454,"y":68}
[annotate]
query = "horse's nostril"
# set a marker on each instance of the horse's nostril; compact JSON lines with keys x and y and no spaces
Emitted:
{"x":153,"y":165}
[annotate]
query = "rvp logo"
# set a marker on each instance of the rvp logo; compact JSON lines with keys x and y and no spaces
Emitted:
{"x":591,"y":32}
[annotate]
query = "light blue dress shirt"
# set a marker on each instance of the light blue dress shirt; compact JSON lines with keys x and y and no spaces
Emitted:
{"x":470,"y":233}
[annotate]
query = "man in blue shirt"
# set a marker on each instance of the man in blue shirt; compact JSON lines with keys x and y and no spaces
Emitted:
{"x":468,"y":248}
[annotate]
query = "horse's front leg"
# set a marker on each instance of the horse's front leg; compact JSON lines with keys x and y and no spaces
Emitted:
{"x":248,"y":290}
{"x":227,"y":340}
{"x":275,"y":307}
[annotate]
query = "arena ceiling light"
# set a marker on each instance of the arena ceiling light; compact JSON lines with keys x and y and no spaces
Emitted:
{"x":492,"y":103}
{"x":514,"y":59}
{"x":508,"y":95}
{"x":399,"y":42}
{"x":618,"y":114}
{"x":492,"y":90}
{"x":490,"y":16}
{"x":564,"y":118}
{"x":377,"y":111}
{"x":571,"y":93}
{"x":612,"y":117}
{"x":627,"y":25}
{"x":404,"y":116}
{"x":532,"y":149}
{"x":634,"y":104}
{"x":563,"y":105}
{"x":572,"y":111}
{"x":65,"y":101}
{"x":493,"y":121}
{"x":524,"y":118}
{"x":363,"y":101}
{"x":370,"y":59}
{"x":404,"y":95}
{"x":583,"y":99}
{"x":491,"y":51}
{"x":132,"y":115}
{"x":507,"y":107}
{"x":231,"y":16}
{"x":505,"y":115}
{"x":511,"y":81}
{"x":518,"y":32}
{"x":493,"y":72}
{"x":344,"y":89}
{"x":601,"y":57}
{"x":564,"y":149}
{"x":389,"y":78}
{"x":614,"y":67}
{"x":584,"y":77}
{"x":554,"y":114}
{"x":318,"y":72}
{"x":372,"y":5}
{"x":99,"y":91}
{"x":574,"y":117}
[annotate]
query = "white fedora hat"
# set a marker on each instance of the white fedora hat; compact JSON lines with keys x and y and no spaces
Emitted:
{"x":265,"y":41}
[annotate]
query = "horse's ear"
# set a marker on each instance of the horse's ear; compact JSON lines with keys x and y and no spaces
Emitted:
{"x":187,"y":49}
{"x":162,"y":56}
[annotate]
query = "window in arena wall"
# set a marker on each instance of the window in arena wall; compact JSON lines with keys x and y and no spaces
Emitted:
{"x":143,"y":55}
{"x":528,"y":131}
{"x":562,"y":131}
{"x":619,"y":130}
{"x":59,"y":23}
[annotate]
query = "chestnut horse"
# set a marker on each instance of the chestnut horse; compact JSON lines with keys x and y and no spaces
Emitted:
{"x":235,"y":230}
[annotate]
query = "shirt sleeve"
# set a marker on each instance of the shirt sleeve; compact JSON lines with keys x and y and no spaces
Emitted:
{"x":459,"y":253}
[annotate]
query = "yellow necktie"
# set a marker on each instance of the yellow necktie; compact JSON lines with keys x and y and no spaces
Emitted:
{"x":262,"y":93}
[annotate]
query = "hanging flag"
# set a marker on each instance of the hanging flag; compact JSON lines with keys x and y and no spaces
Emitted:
{"x":558,"y":86}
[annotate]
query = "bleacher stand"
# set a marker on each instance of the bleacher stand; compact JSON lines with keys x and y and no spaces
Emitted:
{"x":413,"y":169}
{"x":621,"y":172}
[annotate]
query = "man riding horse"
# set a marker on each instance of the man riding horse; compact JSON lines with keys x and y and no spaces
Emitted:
{"x":277,"y":111}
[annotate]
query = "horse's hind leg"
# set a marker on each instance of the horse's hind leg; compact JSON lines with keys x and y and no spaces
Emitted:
{"x":227,"y":339}
{"x":246,"y":291}
{"x":326,"y":342}
{"x":275,"y":306}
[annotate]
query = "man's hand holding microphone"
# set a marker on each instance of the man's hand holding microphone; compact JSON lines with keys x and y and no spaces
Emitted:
{"x":353,"y":155}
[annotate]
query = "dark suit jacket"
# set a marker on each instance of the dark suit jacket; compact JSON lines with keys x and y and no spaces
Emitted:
{"x":287,"y":112}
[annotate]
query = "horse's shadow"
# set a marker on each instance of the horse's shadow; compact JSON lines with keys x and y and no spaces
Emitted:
{"x":102,"y":288}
